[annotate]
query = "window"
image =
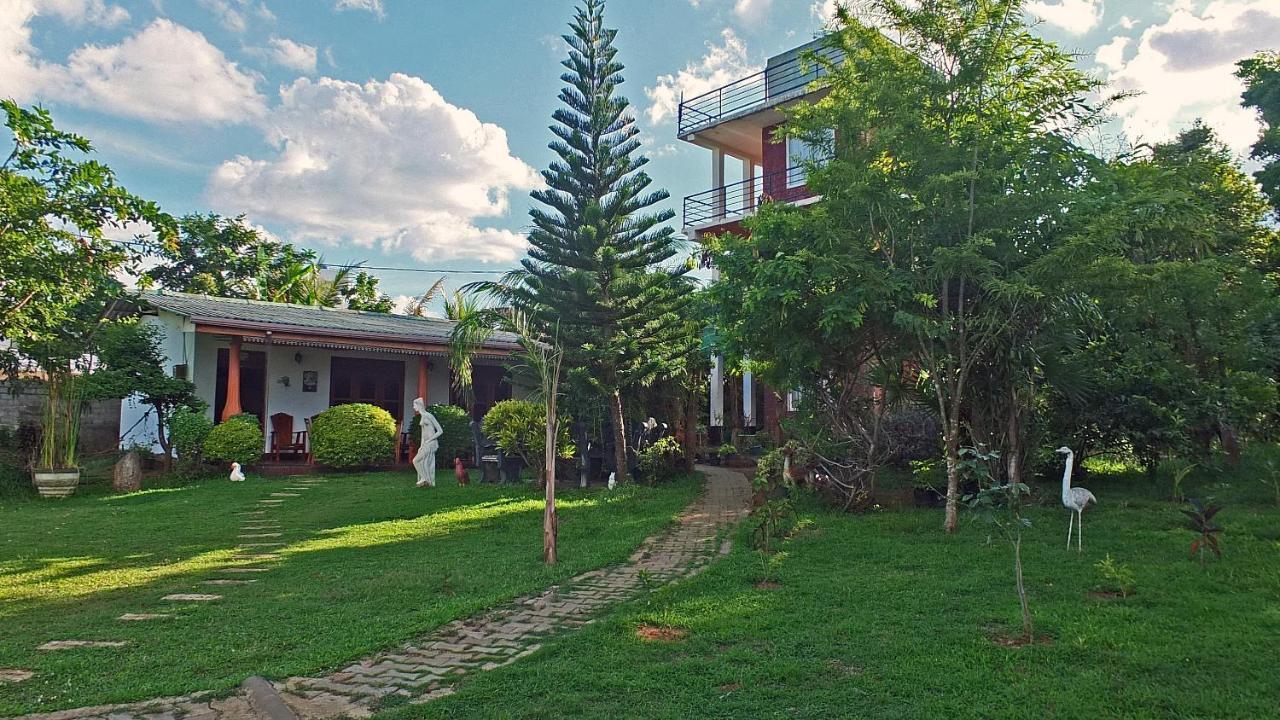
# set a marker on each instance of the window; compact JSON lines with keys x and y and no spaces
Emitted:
{"x":800,"y":152}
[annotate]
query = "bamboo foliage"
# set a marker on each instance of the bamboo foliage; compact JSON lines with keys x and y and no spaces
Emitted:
{"x":61,"y":436}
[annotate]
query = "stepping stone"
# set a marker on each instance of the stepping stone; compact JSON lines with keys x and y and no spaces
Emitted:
{"x":14,"y":675}
{"x":243,"y":570}
{"x":191,"y":597}
{"x":270,"y":502}
{"x":251,"y":528}
{"x":227,"y":582}
{"x":298,"y":488}
{"x":135,"y":617}
{"x":260,"y":535}
{"x":255,"y":556}
{"x":252,"y":512}
{"x":284,"y":494}
{"x":72,"y":644}
{"x":262,"y":544}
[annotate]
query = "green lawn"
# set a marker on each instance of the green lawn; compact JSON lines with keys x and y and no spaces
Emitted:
{"x":884,"y":616}
{"x":370,"y":561}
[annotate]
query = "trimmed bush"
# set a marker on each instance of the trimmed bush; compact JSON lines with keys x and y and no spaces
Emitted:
{"x":519,"y":428}
{"x":661,"y":460}
{"x":187,"y":433}
{"x":355,"y":435}
{"x":238,"y":439}
{"x":456,"y":441}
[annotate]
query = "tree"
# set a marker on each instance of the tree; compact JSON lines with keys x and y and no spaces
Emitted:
{"x":227,"y":257}
{"x":224,"y":257}
{"x":132,"y":364}
{"x":594,"y":271}
{"x":1261,"y":76}
{"x":57,"y":266}
{"x":1170,"y":254}
{"x":953,"y":161}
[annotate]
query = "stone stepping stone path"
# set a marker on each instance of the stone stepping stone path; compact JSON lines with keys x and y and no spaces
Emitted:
{"x":243,"y":570}
{"x":262,"y":544}
{"x":191,"y":597}
{"x":285,"y":494}
{"x":260,"y":535}
{"x":15,"y":675}
{"x":75,"y":644}
{"x":138,"y":617}
{"x":426,"y":668}
{"x":255,"y":556}
{"x":226,"y":581}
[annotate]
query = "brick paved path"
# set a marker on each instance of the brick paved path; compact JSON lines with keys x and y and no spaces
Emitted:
{"x":425,"y":668}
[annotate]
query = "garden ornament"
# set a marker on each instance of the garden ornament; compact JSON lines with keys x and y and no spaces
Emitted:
{"x":425,"y":459}
{"x":1075,"y":500}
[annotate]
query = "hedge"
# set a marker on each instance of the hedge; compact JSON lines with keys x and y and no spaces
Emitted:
{"x":456,"y":440}
{"x":351,"y":436}
{"x":237,"y":439}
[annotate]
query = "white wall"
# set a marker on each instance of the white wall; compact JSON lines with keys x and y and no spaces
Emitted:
{"x":178,"y":346}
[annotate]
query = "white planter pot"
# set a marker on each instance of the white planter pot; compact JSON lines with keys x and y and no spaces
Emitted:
{"x":56,"y":483}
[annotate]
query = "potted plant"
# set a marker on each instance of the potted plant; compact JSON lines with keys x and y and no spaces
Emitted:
{"x":55,"y":473}
{"x":727,"y":452}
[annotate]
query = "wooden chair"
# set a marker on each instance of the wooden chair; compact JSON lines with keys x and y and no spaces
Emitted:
{"x":284,"y":439}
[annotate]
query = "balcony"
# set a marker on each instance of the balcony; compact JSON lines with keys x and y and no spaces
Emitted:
{"x":786,"y":77}
{"x":737,"y":200}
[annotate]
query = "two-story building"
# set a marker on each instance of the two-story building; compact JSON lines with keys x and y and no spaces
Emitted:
{"x":738,"y":124}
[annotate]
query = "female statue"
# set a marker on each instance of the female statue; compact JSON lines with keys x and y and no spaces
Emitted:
{"x":425,"y":459}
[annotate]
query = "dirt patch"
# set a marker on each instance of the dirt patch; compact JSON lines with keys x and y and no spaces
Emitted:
{"x":767,"y":585}
{"x":660,"y":633}
{"x":1106,"y":595}
{"x":1017,"y":641}
{"x":729,"y":687}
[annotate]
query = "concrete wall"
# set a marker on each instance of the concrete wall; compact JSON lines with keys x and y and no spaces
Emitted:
{"x":99,"y":423}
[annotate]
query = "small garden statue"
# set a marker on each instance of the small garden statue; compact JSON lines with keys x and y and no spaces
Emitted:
{"x":425,"y":459}
{"x":460,"y":472}
{"x":236,"y":474}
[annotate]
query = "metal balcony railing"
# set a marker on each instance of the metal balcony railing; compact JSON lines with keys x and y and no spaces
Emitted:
{"x":737,"y":200}
{"x":774,"y":84}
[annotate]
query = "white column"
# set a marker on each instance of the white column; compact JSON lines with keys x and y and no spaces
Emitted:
{"x":748,"y":401}
{"x":749,"y":185}
{"x":717,"y":391}
{"x":716,"y":411}
{"x":717,"y":181}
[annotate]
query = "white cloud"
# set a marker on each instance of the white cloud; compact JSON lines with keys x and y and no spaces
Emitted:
{"x":21,"y":71}
{"x":387,"y":163}
{"x":722,"y":64}
{"x":164,"y":72}
{"x":1184,"y":69}
{"x":1111,"y":55}
{"x":752,"y":11}
{"x":236,"y":15}
{"x":372,"y":6}
{"x":1076,"y":17}
{"x":287,"y":53}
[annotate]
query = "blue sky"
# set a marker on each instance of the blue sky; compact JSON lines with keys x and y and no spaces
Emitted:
{"x":409,"y":133}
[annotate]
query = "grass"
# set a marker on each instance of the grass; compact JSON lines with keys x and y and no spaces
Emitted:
{"x":370,"y":561}
{"x":884,"y":616}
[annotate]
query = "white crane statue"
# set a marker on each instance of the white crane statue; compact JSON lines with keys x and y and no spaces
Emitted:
{"x":1075,"y":500}
{"x":236,"y":475}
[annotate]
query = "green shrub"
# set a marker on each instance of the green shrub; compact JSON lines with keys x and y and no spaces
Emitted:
{"x":519,"y":427}
{"x":237,"y":439}
{"x":355,"y":435}
{"x":456,"y":440}
{"x":187,"y":432}
{"x":661,"y":460}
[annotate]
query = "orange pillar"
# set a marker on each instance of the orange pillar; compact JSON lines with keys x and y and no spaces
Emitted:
{"x":422,"y":378}
{"x":232,"y":405}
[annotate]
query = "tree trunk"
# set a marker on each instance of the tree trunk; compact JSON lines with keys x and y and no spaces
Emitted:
{"x":619,"y":437}
{"x":163,"y":440}
{"x":953,"y":477}
{"x":550,"y":523}
{"x":1028,"y":630}
{"x":1013,"y":471}
{"x":692,"y":402}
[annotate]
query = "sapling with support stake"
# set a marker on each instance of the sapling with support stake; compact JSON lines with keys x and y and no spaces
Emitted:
{"x":1000,"y":506}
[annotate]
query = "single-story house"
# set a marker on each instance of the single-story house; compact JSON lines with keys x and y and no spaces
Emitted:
{"x":270,"y":358}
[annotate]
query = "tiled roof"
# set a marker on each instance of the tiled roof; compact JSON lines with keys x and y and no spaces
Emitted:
{"x":309,"y":318}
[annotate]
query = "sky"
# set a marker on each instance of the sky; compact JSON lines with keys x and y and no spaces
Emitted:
{"x":409,"y":133}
